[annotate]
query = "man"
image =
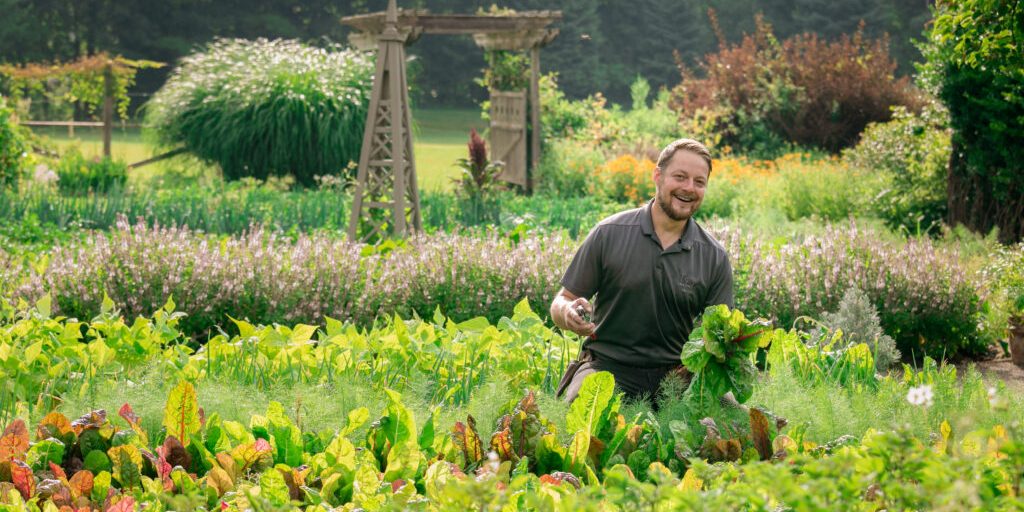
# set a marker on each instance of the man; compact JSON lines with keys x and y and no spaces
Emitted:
{"x":653,"y":270}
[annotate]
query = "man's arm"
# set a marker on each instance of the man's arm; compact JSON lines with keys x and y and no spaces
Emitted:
{"x":563,"y":313}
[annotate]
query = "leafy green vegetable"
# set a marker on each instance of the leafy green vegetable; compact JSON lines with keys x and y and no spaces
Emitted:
{"x":719,"y":356}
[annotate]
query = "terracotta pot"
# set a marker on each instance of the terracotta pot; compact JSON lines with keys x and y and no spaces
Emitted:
{"x":1017,"y":341}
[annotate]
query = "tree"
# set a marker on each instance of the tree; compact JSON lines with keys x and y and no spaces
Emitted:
{"x":976,"y":65}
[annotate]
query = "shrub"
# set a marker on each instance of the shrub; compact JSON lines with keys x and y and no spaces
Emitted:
{"x":858,"y":320}
{"x":13,"y":145}
{"x":567,"y":168}
{"x":925,"y":300}
{"x":79,"y":175}
{"x":1006,"y":273}
{"x":761,"y":95}
{"x":973,"y":63}
{"x":262,"y":108}
{"x":819,"y":189}
{"x":910,"y":154}
{"x":625,"y":180}
{"x":267,"y":278}
{"x":561,"y":117}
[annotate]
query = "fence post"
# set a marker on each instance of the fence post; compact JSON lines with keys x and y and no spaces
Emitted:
{"x":108,"y":107}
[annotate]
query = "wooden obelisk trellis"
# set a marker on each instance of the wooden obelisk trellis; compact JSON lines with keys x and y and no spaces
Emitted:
{"x":387,"y":201}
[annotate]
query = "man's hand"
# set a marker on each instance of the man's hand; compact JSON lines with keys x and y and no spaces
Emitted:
{"x":566,"y":309}
{"x":580,"y":323}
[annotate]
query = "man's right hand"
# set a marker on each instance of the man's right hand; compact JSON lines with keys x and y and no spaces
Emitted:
{"x":564,"y":313}
{"x":574,"y":321}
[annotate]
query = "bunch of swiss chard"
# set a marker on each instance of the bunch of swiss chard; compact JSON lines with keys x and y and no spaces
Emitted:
{"x":719,"y":354}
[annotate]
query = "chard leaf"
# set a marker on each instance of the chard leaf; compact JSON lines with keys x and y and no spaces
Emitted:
{"x":97,"y":461}
{"x":100,"y":486}
{"x":54,"y":425}
{"x":81,"y":484}
{"x":181,"y":415}
{"x":219,"y":480}
{"x":14,"y":441}
{"x":127,"y":463}
{"x":174,"y":453}
{"x":426,"y":437}
{"x":287,"y":437}
{"x":366,"y":486}
{"x":754,"y":335}
{"x":526,"y":426}
{"x":742,"y":375}
{"x":45,"y":452}
{"x":403,"y":462}
{"x":256,"y":456}
{"x":402,"y":426}
{"x":586,"y":411}
{"x":550,"y":455}
{"x":356,"y":418}
{"x":22,"y":478}
{"x":694,"y":357}
{"x":135,"y":422}
{"x":576,"y":456}
{"x":341,"y":453}
{"x":465,"y":437}
{"x":501,"y":441}
{"x":274,"y":488}
{"x":759,"y":433}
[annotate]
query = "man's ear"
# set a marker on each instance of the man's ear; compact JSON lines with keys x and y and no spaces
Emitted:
{"x":656,"y":174}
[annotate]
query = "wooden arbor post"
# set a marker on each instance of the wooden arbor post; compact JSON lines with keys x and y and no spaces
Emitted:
{"x":508,"y":117}
{"x":386,"y":187}
{"x":386,"y":198}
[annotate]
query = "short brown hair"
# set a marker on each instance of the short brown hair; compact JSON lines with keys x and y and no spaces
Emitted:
{"x":685,"y":145}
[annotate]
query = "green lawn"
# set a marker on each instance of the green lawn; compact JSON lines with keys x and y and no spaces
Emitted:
{"x":439,"y":138}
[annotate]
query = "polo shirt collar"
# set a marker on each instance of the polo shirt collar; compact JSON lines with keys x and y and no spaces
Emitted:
{"x":647,"y":228}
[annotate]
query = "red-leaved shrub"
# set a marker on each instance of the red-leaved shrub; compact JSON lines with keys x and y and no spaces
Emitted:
{"x":760,"y":95}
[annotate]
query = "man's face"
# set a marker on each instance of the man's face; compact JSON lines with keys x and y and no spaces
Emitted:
{"x":680,"y":185}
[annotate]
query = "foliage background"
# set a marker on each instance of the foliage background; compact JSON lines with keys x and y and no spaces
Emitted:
{"x":597,"y":49}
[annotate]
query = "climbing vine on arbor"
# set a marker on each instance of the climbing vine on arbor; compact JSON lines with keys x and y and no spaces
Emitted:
{"x":81,"y":81}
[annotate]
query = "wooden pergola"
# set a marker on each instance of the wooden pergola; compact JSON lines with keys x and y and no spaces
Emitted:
{"x":387,"y":196}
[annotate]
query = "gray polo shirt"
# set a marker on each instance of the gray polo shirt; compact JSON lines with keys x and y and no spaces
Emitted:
{"x":647,"y":298}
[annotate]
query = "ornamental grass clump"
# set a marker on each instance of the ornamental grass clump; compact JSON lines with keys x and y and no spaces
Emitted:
{"x":266,"y":108}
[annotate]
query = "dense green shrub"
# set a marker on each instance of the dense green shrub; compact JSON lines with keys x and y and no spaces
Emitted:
{"x":760,"y":96}
{"x":1006,"y":272}
{"x":909,"y":155}
{"x":13,"y":145}
{"x":79,"y":175}
{"x":975,"y":64}
{"x":262,"y":108}
{"x":567,"y":168}
{"x":827,"y":192}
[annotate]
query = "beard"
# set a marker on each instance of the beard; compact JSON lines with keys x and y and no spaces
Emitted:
{"x":676,"y":214}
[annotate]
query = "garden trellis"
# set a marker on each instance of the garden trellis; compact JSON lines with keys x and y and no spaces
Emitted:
{"x":387,"y":197}
{"x":94,"y":81}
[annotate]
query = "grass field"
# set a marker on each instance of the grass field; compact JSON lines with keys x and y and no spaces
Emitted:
{"x":439,"y":138}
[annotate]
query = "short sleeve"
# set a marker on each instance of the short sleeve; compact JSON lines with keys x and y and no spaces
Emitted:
{"x":721,"y":288}
{"x":584,"y":272}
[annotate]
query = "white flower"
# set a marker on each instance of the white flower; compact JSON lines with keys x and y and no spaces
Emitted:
{"x":995,"y":400}
{"x":921,"y":395}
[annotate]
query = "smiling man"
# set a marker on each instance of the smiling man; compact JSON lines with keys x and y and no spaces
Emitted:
{"x":650,"y":271}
